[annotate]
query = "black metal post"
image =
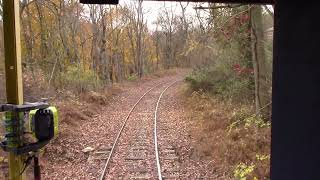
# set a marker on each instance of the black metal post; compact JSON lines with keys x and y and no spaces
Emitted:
{"x":296,"y":92}
{"x":37,"y":172}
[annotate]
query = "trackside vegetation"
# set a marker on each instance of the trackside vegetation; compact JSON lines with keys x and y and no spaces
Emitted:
{"x":230,"y":94}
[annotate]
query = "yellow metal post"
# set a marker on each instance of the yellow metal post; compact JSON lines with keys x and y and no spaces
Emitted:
{"x":11,"y":29}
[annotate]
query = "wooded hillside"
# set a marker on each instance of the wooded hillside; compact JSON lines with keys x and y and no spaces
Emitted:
{"x":71,"y":48}
{"x":87,"y":47}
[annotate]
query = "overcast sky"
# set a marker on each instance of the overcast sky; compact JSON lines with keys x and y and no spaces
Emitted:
{"x":153,"y":8}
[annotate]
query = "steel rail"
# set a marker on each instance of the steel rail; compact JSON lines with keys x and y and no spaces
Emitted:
{"x":121,"y":129}
{"x":155,"y":130}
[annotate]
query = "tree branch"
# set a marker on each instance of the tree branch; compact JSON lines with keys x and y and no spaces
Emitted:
{"x":219,"y":7}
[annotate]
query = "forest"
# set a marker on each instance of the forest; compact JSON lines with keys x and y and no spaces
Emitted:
{"x":225,"y":52}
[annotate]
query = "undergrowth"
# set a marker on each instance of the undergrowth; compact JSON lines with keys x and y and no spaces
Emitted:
{"x":231,"y":135}
{"x":224,"y":83}
{"x":79,"y":79}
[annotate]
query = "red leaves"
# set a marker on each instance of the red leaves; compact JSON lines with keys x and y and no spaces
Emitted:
{"x":236,"y":67}
{"x":241,"y":70}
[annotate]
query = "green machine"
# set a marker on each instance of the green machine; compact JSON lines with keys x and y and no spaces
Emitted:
{"x":38,"y":119}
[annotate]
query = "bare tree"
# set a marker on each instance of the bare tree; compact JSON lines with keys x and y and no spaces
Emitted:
{"x":139,"y":35}
{"x":103,"y":59}
{"x":94,"y":17}
{"x":27,"y":32}
{"x":168,"y":21}
{"x":135,"y":18}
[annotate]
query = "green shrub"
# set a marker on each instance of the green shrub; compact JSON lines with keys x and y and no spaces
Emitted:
{"x":205,"y":79}
{"x":236,"y":89}
{"x":80,"y":79}
{"x":200,"y":81}
{"x":132,"y":77}
{"x":221,"y":82}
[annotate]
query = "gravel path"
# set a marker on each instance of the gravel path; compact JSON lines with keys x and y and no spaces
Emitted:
{"x":174,"y":125}
{"x":65,"y":159}
{"x":135,"y":157}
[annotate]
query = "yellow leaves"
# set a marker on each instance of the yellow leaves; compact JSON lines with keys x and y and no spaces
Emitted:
{"x":64,"y":32}
{"x":242,"y":171}
{"x":3,"y":159}
{"x":262,"y":157}
{"x":192,"y":45}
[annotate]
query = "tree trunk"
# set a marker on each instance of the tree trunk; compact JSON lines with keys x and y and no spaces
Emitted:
{"x":95,"y":36}
{"x":43,"y":37}
{"x":259,"y":62}
{"x":139,"y":38}
{"x":106,"y":73}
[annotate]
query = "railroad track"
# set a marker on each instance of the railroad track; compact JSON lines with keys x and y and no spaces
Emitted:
{"x":139,"y":160}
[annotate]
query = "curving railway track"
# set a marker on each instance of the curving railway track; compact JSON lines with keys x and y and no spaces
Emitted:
{"x":136,"y":152}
